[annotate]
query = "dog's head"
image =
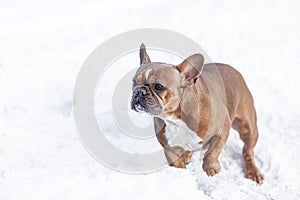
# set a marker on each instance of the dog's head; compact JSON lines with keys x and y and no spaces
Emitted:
{"x":158,"y":87}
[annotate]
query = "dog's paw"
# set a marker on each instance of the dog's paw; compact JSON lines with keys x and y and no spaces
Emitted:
{"x":177,"y":156}
{"x":254,"y":174}
{"x":187,"y":156}
{"x":211,"y":167}
{"x":179,"y":163}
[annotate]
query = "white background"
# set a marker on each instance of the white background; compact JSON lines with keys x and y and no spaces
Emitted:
{"x":44,"y":43}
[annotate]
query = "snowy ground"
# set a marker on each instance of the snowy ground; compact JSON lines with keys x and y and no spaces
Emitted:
{"x":42,"y":47}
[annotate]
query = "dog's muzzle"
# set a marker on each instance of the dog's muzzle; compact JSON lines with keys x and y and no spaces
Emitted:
{"x":142,"y":100}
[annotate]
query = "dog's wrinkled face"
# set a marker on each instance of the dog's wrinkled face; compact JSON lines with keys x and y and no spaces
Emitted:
{"x":157,"y":87}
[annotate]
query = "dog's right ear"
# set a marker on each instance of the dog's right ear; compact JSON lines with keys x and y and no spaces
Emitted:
{"x":144,"y":58}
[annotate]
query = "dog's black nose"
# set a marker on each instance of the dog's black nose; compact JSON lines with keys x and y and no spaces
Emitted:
{"x":141,"y":92}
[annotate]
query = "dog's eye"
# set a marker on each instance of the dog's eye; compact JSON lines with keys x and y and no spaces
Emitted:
{"x":158,"y":87}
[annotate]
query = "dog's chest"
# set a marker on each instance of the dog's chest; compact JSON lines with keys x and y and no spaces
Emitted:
{"x":178,"y":134}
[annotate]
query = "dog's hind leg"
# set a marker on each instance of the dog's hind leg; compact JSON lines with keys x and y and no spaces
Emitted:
{"x":245,"y":124}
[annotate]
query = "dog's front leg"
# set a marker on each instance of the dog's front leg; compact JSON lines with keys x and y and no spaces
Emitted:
{"x":211,"y":163}
{"x":176,"y":155}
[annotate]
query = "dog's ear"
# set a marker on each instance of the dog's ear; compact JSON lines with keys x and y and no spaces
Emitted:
{"x":190,"y":69}
{"x":144,"y":58}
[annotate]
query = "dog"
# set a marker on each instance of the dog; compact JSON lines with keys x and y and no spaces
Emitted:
{"x":208,"y":98}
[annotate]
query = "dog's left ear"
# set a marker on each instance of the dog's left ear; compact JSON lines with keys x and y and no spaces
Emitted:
{"x":190,"y":69}
{"x":144,"y":58}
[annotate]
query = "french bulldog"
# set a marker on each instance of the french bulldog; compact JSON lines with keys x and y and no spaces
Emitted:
{"x":208,"y":98}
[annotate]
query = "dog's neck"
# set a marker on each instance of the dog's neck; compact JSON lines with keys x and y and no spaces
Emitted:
{"x":173,"y":115}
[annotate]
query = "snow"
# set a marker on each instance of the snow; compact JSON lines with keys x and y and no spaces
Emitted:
{"x":42,"y":47}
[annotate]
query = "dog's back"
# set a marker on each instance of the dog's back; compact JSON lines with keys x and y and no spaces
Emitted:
{"x":226,"y":78}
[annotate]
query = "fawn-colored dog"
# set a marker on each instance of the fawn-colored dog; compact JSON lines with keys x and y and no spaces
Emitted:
{"x":182,"y":93}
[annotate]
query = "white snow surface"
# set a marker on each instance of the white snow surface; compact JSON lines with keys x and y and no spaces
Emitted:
{"x":42,"y":47}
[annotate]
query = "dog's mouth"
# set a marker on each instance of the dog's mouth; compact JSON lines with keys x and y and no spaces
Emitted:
{"x":142,"y":105}
{"x":142,"y":101}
